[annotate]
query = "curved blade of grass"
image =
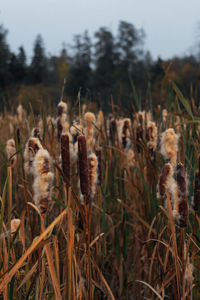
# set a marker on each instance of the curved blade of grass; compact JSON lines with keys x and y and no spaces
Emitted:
{"x":184,"y":102}
{"x":149,"y":286}
{"x":17,"y":266}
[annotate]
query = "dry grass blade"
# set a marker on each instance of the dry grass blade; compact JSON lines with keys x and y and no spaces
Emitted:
{"x":28,"y":275}
{"x":52,"y":271}
{"x":96,"y":239}
{"x":103,"y":280}
{"x":6,"y":279}
{"x":149,"y":286}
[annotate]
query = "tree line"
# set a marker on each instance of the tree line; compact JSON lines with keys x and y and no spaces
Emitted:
{"x":105,"y":68}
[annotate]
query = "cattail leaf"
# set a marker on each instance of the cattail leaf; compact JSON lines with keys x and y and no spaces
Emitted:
{"x":11,"y":288}
{"x":184,"y":101}
{"x":58,"y":202}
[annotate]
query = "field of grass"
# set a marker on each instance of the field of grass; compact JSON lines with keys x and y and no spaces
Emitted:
{"x":101,"y":207}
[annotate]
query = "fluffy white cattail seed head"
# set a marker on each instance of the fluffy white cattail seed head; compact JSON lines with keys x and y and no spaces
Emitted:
{"x":14,"y":225}
{"x":169,"y":145}
{"x":32,"y":147}
{"x":62,"y":107}
{"x":42,"y":186}
{"x":93,"y":165}
{"x":42,"y":162}
{"x":152,"y":135}
{"x":11,"y":151}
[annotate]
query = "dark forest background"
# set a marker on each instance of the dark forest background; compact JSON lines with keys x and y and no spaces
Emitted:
{"x":104,"y":68}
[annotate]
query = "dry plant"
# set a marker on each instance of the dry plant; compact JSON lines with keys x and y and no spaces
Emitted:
{"x":105,"y":209}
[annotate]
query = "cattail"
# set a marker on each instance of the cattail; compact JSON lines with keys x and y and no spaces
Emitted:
{"x":152,"y":138}
{"x":169,"y":145}
{"x":31,"y":148}
{"x":59,"y":128}
{"x":14,"y":225}
{"x":50,"y":121}
{"x":189,"y":268}
{"x":196,"y":197}
{"x":164,"y":115}
{"x":62,"y":117}
{"x":130,"y":157}
{"x":42,"y":188}
{"x":11,"y":128}
{"x":93,"y":167}
{"x":148,"y":117}
{"x":99,"y":170}
{"x":35,"y":133}
{"x":83,"y":166}
{"x":84,"y":107}
{"x":21,"y":115}
{"x":62,"y":108}
{"x":100,"y":119}
{"x":61,"y":124}
{"x":124,"y":132}
{"x":112,"y":132}
{"x":65,"y":155}
{"x":140,"y":117}
{"x":42,"y":163}
{"x":89,"y":120}
{"x":165,"y":179}
{"x":11,"y":151}
{"x":65,"y":127}
{"x":43,"y":179}
{"x":182,"y":216}
{"x":75,"y":131}
{"x":41,"y":126}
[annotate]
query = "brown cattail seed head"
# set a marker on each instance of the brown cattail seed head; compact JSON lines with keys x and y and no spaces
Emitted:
{"x":125,"y":132}
{"x":182,"y":194}
{"x":112,"y":130}
{"x":140,"y":117}
{"x":196,"y":197}
{"x":59,"y":128}
{"x":83,"y":165}
{"x":166,"y":173}
{"x":65,"y":155}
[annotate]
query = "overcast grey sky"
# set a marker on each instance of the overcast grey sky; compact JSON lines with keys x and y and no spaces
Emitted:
{"x":170,"y":25}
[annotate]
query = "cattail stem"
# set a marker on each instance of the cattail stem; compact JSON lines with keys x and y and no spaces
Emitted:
{"x":174,"y":243}
{"x":10,"y":196}
{"x":183,"y":244}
